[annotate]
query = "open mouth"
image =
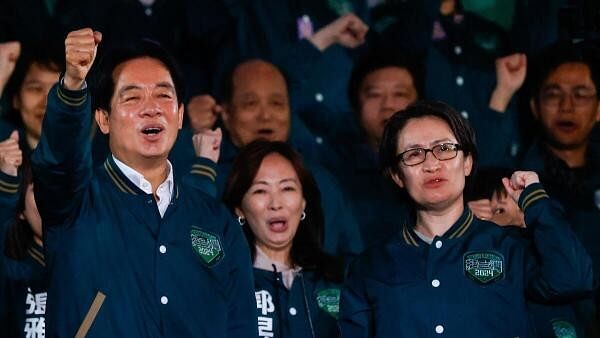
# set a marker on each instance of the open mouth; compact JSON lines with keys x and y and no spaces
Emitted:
{"x":277,"y":225}
{"x":153,"y":130}
{"x":265,"y":132}
{"x":566,"y":125}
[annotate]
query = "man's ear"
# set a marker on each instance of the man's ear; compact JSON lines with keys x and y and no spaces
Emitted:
{"x":102,"y":119}
{"x":468,"y":165}
{"x":180,"y":112}
{"x":534,"y":108}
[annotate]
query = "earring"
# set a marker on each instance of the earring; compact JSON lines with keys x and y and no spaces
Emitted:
{"x":303,"y":216}
{"x":241,"y":220}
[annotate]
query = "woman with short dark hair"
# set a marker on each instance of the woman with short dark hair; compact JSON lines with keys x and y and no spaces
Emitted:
{"x":278,"y":205}
{"x":448,"y":273}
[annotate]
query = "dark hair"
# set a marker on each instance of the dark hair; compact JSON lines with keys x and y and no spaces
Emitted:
{"x":487,"y":183}
{"x":379,"y":59}
{"x":306,"y":246}
{"x":45,"y":57}
{"x":553,"y":56}
{"x":228,"y":86}
{"x":19,"y":236}
{"x":460,"y":128}
{"x":111,"y":59}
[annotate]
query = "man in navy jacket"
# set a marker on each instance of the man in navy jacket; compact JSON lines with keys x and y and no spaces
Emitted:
{"x":132,"y":251}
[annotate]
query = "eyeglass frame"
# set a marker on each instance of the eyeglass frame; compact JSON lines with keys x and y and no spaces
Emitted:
{"x":552,"y":96}
{"x":399,"y":157}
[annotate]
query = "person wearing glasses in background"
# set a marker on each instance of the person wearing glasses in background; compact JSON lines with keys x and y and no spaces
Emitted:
{"x":447,"y":272}
{"x":565,"y":104}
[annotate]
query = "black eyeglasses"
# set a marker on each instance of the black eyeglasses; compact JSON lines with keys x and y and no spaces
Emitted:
{"x":442,"y":151}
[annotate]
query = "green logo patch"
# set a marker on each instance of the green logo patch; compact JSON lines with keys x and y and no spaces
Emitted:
{"x":207,"y":246}
{"x":329,"y":301}
{"x":483,"y":266}
{"x":563,"y":329}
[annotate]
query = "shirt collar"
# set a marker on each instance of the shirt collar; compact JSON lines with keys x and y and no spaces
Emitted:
{"x":140,"y":181}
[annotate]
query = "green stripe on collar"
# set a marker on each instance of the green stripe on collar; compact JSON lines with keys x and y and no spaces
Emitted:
{"x":408,"y":236}
{"x":464,"y":226}
{"x":116,"y":179}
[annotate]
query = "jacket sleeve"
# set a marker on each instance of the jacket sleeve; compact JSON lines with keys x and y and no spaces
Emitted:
{"x":355,"y":311}
{"x":202,"y":176}
{"x":561,"y":268}
{"x":242,"y":303}
{"x":9,"y":196}
{"x":62,"y":162}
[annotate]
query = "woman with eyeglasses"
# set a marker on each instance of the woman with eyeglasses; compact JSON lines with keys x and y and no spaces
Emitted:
{"x":278,"y":205}
{"x":447,"y":273}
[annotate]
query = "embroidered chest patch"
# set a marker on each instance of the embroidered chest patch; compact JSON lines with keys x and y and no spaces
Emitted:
{"x":483,"y":266}
{"x":563,"y":329}
{"x":207,"y":246}
{"x":329,"y":301}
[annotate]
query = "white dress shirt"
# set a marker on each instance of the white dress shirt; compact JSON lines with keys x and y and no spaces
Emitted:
{"x":164,"y":191}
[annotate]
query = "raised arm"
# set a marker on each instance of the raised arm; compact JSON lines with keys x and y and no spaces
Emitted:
{"x":61,"y":163}
{"x":562,"y":269}
{"x":203,"y":174}
{"x":11,"y":158}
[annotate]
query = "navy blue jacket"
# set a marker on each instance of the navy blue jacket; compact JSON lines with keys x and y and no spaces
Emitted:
{"x":576,"y":189}
{"x":379,"y":205}
{"x":112,"y":258}
{"x":23,"y":287}
{"x":308,"y":310}
{"x":470,"y":282}
{"x":25,"y":294}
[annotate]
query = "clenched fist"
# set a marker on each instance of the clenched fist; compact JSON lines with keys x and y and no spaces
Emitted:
{"x":519,"y":181}
{"x":207,"y":144}
{"x":11,"y":156}
{"x":348,"y":31}
{"x":203,"y":112}
{"x":80,"y":52}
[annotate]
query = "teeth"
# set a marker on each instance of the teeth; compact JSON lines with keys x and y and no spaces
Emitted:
{"x":151,"y":130}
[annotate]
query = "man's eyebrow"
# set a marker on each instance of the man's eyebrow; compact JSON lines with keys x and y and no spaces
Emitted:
{"x":165,"y":85}
{"x":128,"y":88}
